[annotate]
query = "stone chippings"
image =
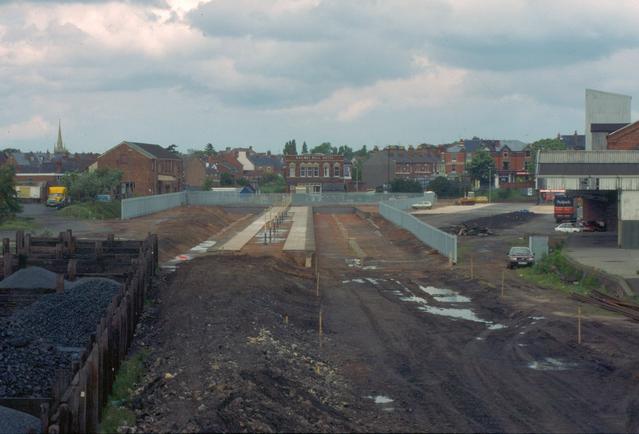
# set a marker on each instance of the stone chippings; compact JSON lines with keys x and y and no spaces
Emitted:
{"x":40,"y":339}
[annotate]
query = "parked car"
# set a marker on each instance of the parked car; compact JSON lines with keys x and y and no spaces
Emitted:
{"x":593,"y":226}
{"x":422,"y":205}
{"x":569,"y":228}
{"x":520,"y":257}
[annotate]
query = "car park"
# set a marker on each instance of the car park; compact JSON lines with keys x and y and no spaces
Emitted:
{"x":520,"y":257}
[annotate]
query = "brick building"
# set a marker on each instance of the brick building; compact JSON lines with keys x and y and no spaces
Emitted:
{"x":147,"y":169}
{"x":382,"y":167}
{"x":625,"y":138}
{"x":316,"y":173}
{"x":511,"y":158}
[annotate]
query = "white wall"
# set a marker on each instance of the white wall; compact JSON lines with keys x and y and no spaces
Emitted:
{"x":603,"y":108}
{"x":629,"y":202}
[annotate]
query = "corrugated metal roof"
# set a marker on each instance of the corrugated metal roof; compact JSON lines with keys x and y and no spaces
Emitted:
{"x":593,"y":157}
{"x":606,"y":128}
{"x":588,"y":169}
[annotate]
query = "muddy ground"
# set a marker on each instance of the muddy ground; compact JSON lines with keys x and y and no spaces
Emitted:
{"x":408,"y":345}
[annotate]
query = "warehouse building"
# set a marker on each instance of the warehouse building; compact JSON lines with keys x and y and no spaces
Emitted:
{"x":606,"y":183}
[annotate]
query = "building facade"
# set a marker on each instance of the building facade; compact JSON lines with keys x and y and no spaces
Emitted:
{"x":604,"y":108}
{"x":317,"y":173}
{"x":147,"y":169}
{"x":625,"y":138}
{"x":384,"y":166}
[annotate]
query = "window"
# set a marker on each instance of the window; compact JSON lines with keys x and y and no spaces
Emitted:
{"x":505,"y":165}
{"x":316,"y":171}
{"x":527,"y":153}
{"x":336,"y":171}
{"x":327,"y":170}
{"x":303,"y":170}
{"x":291,"y":170}
{"x":505,"y":154}
{"x":347,"y":171}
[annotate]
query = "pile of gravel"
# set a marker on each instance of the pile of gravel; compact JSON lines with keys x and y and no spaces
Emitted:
{"x":32,"y":278}
{"x":12,"y":421}
{"x":39,"y":339}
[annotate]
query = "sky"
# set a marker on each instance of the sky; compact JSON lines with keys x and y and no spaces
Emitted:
{"x":261,"y":72}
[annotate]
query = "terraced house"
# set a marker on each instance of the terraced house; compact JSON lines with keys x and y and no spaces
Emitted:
{"x":147,"y":169}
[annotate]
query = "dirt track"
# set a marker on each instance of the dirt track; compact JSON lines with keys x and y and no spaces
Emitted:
{"x":220,"y":331}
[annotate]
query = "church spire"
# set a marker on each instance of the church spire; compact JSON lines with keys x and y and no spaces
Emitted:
{"x":59,"y":146}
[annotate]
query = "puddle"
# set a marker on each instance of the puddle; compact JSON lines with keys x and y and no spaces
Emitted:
{"x":437,"y":292}
{"x":537,"y":318}
{"x":450,"y":312}
{"x":551,"y":364}
{"x":381,"y":399}
{"x":452,"y":299}
{"x":375,"y":281}
{"x":354,"y":281}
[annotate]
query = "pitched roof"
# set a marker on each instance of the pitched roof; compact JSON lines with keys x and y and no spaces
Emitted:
{"x":513,"y":145}
{"x":266,"y":160}
{"x":575,"y":142}
{"x":153,"y":151}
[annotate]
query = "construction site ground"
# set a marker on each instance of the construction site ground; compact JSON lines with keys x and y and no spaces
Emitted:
{"x":396,"y":340}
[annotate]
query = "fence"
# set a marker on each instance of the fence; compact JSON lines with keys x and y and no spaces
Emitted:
{"x":141,"y":206}
{"x":78,"y":399}
{"x":146,"y":205}
{"x":79,"y":394}
{"x":444,"y":243}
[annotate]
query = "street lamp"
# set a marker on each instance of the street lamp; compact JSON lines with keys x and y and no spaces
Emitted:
{"x":490,"y":183}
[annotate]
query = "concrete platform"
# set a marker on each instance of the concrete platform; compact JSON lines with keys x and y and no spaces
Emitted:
{"x":236,"y":243}
{"x":301,"y":237}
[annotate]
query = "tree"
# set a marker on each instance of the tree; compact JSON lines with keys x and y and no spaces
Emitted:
{"x":86,"y":186}
{"x":346,"y":151}
{"x":226,"y":179}
{"x":324,"y":148}
{"x":209,"y":149}
{"x":357,"y":170}
{"x":399,"y":185}
{"x":242,"y":182}
{"x":290,"y":148}
{"x":172,"y":148}
{"x":444,"y":187}
{"x":363,"y":152}
{"x":207,"y":184}
{"x":304,"y":148}
{"x":9,"y":204}
{"x":542,"y":145}
{"x":273,"y":183}
{"x":481,"y":166}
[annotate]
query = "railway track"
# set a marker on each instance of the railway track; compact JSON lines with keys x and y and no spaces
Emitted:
{"x":605,"y":301}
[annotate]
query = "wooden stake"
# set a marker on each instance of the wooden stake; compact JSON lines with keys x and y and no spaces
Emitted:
{"x":503,"y":277}
{"x":321,"y":327}
{"x":317,"y":281}
{"x":579,"y":325}
{"x":286,"y":318}
{"x":472,"y":267}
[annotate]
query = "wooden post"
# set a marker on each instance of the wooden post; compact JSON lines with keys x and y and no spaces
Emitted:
{"x":6,"y":246}
{"x":321,"y":326}
{"x":72,"y":269}
{"x":27,"y":244}
{"x":579,"y":325}
{"x":59,"y":251}
{"x":8,"y":264}
{"x":286,"y":319}
{"x":317,"y":284}
{"x":472,"y":267}
{"x":59,"y":283}
{"x":503,"y":277}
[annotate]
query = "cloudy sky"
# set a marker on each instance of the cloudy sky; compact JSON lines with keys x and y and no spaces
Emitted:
{"x":260,"y":72}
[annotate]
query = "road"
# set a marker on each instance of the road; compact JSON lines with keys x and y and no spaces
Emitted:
{"x":453,"y":217}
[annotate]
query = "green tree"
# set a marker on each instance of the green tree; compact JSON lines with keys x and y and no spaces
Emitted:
{"x":399,"y":185}
{"x":172,"y":148}
{"x":304,"y":148}
{"x":209,"y":149}
{"x":86,"y":186}
{"x":542,"y":145}
{"x":324,"y":148}
{"x":242,"y":182}
{"x":273,"y":183}
{"x":444,"y":187}
{"x":226,"y":179}
{"x":9,"y":204}
{"x":290,"y":148}
{"x":481,"y":166}
{"x":356,"y":170}
{"x":207,"y":184}
{"x":362,"y":152}
{"x":346,"y":151}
